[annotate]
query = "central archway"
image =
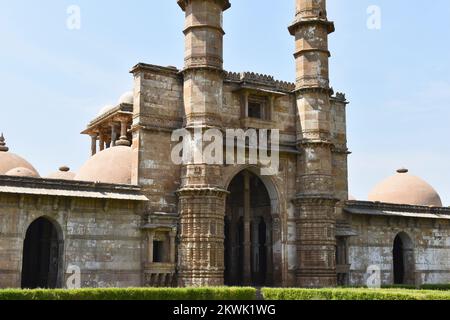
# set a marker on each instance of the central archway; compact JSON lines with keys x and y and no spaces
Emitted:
{"x":248,"y":232}
{"x":41,"y":255}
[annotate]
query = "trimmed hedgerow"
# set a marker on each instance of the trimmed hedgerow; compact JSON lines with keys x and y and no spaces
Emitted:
{"x":221,"y":293}
{"x":435,"y":287}
{"x":353,"y":294}
{"x":441,"y":287}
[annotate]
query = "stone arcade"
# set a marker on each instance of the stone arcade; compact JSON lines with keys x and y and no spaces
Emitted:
{"x":132,"y":217}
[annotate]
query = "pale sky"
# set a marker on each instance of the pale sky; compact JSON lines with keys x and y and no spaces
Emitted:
{"x":397,"y":79}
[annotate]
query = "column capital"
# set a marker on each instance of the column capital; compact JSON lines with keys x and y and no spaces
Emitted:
{"x":306,"y":22}
{"x":184,"y":3}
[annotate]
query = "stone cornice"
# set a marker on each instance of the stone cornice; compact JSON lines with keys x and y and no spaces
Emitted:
{"x":301,"y":22}
{"x":194,"y":68}
{"x":309,"y":50}
{"x":225,"y":3}
{"x":340,"y":150}
{"x":203,"y":26}
{"x":260,"y":80}
{"x":340,"y":97}
{"x":173,"y":71}
{"x":40,"y":183}
{"x":201,"y":191}
{"x":314,"y":89}
{"x":315,"y":142}
{"x":396,"y":207}
{"x":315,"y":199}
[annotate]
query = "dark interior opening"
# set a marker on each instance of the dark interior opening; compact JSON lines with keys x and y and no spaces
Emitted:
{"x":41,"y":255}
{"x":399,"y":263}
{"x":255,"y":110}
{"x":158,"y":251}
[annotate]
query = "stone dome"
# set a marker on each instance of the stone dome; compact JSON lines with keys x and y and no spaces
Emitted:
{"x":22,"y":172}
{"x":105,"y":109}
{"x":404,"y":188}
{"x":10,"y":161}
{"x":112,"y":165}
{"x":63,"y":174}
{"x":127,"y":97}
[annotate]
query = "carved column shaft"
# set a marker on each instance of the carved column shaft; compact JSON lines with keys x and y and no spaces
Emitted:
{"x":201,"y":197}
{"x":315,"y":189}
{"x":247,"y":231}
{"x":150,"y":239}
{"x":93,"y":144}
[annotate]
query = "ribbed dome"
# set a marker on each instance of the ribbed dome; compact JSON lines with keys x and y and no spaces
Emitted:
{"x":127,"y":97}
{"x":63,"y":174}
{"x":10,"y":161}
{"x":22,"y":172}
{"x":112,"y":165}
{"x":404,"y":188}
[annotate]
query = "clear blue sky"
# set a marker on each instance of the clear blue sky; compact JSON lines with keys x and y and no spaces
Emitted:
{"x":54,"y":80}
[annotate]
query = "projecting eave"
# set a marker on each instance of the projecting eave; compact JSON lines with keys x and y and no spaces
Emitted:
{"x":396,"y":210}
{"x":69,"y":188}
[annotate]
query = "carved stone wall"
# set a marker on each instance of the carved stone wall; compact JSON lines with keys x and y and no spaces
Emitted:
{"x":101,"y":238}
{"x":373,"y":246}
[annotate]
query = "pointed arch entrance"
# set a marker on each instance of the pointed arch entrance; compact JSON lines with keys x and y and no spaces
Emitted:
{"x":403,"y":260}
{"x":42,"y":255}
{"x":248,"y":232}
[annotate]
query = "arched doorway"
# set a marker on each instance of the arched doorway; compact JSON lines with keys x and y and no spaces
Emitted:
{"x":248,"y":232}
{"x":403,"y":260}
{"x":41,"y":255}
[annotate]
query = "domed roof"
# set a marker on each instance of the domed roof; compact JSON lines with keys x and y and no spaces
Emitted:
{"x":10,"y":161}
{"x":404,"y":188}
{"x":105,"y":109}
{"x":63,"y":174}
{"x":112,"y":165}
{"x":127,"y":97}
{"x":22,"y":172}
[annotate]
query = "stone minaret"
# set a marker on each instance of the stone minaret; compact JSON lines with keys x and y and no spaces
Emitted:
{"x":201,"y":197}
{"x":315,"y":201}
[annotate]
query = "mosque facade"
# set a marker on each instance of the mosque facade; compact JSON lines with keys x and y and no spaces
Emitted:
{"x":131,"y":217}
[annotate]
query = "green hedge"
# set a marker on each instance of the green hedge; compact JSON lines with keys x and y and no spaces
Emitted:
{"x":132,"y":294}
{"x":435,"y":287}
{"x":353,"y":294}
{"x":405,"y":286}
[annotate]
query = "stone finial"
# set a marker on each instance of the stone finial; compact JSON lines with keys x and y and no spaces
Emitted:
{"x":123,"y":142}
{"x":402,"y":170}
{"x":64,"y":169}
{"x":3,"y":147}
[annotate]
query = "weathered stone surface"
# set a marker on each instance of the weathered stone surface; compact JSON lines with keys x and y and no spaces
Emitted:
{"x":199,"y":224}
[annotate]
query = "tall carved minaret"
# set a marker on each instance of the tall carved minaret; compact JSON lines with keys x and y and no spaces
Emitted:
{"x":315,"y":201}
{"x":201,"y":197}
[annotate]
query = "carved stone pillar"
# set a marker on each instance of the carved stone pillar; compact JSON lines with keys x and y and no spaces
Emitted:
{"x":150,"y":239}
{"x":247,"y":231}
{"x":172,"y":245}
{"x":123,"y":140}
{"x":101,"y":142}
{"x":201,"y":196}
{"x":94,"y":144}
{"x":113,"y":135}
{"x":201,"y":247}
{"x":315,"y":200}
